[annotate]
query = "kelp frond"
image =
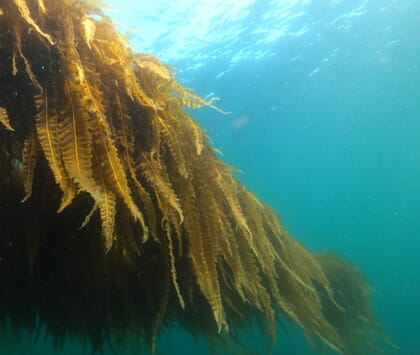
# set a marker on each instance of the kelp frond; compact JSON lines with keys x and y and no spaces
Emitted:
{"x":4,"y":119}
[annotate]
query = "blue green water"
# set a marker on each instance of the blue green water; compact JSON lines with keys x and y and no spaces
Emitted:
{"x":325,"y":125}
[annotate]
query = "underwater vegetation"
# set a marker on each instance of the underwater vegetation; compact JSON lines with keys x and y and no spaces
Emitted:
{"x":117,"y":217}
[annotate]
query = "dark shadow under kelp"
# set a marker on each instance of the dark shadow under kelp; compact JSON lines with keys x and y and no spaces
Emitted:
{"x":116,"y":216}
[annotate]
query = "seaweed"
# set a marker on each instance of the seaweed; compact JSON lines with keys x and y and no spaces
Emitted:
{"x":117,"y":217}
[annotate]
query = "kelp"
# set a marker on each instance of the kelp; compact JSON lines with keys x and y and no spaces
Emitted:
{"x":117,"y":218}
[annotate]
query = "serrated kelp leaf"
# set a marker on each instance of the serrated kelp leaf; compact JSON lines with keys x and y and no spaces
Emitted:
{"x":26,"y":15}
{"x":48,"y":137}
{"x":29,"y":160}
{"x":4,"y":119}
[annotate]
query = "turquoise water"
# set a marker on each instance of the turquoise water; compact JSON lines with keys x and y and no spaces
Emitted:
{"x":325,"y":126}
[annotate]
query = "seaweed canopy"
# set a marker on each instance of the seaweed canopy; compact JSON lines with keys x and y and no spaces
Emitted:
{"x":117,"y":217}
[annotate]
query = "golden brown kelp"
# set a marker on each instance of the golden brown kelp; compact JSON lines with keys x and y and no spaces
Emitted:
{"x":116,"y":216}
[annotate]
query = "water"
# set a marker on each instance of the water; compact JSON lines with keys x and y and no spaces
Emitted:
{"x":325,"y":125}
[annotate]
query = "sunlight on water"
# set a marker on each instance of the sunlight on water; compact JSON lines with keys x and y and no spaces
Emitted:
{"x":235,"y":32}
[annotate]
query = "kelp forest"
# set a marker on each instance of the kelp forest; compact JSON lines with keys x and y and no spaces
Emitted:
{"x":117,"y":217}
